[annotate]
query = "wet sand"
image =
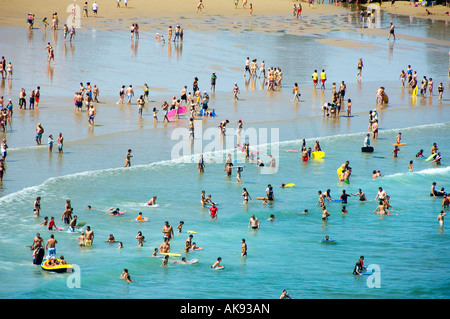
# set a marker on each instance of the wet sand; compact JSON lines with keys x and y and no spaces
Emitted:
{"x":103,"y":145}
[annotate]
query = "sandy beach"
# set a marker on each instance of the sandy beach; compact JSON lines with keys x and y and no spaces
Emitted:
{"x":173,"y":11}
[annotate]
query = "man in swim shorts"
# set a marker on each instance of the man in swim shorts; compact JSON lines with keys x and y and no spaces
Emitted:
{"x":39,"y":132}
{"x":51,"y":245}
{"x":130,"y":94}
{"x":247,"y":67}
{"x":243,"y":248}
{"x":89,"y":236}
{"x":391,"y":31}
{"x":167,"y":231}
{"x":253,"y":222}
{"x":325,"y":213}
{"x":91,"y":116}
{"x":381,"y":195}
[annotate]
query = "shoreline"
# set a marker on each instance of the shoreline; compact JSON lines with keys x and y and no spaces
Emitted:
{"x":175,"y":11}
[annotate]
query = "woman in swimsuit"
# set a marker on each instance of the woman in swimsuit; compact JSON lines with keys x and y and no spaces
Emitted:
{"x":246,"y":195}
{"x":9,"y":70}
{"x":132,"y":28}
{"x":37,"y":206}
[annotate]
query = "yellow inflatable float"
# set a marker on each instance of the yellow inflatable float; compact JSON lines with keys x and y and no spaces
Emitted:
{"x":54,"y":265}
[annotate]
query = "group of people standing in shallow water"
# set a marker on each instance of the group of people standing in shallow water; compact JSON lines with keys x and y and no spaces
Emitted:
{"x":410,"y":80}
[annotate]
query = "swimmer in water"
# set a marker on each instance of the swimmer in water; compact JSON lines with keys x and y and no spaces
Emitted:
{"x":325,"y":213}
{"x":111,"y":239}
{"x":243,"y":248}
{"x":361,"y":195}
{"x":395,"y":151}
{"x":440,"y":218}
{"x":254,"y":222}
{"x":380,"y":209}
{"x":217,"y":263}
{"x":420,"y":154}
{"x":411,"y":166}
{"x":180,"y":226}
{"x":165,"y":260}
{"x":359,"y":266}
{"x":246,"y":195}
{"x":445,"y":201}
{"x":139,"y":217}
{"x":152,"y":201}
{"x":321,"y":199}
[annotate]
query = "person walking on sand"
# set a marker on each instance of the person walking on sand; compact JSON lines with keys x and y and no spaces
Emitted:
{"x":121,"y":95}
{"x":391,"y":31}
{"x":200,"y":6}
{"x":262,"y":70}
{"x":91,"y":115}
{"x":130,"y":93}
{"x":141,"y":103}
{"x":95,"y":9}
{"x":296,"y":92}
{"x":315,"y":78}
{"x":165,"y":107}
{"x":323,"y":78}
{"x":236,"y":91}
{"x":359,"y":67}
{"x":50,"y":54}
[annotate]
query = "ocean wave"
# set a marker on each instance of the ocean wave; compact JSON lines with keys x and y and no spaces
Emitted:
{"x":33,"y":191}
{"x":428,"y":172}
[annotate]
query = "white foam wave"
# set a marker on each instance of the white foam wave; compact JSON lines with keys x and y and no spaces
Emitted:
{"x":28,"y":192}
{"x":438,"y":171}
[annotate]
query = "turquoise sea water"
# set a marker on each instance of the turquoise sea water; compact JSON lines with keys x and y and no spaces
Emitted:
{"x":409,"y":246}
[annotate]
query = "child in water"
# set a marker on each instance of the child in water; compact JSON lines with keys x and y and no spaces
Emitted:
{"x":395,"y":151}
{"x":420,"y":154}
